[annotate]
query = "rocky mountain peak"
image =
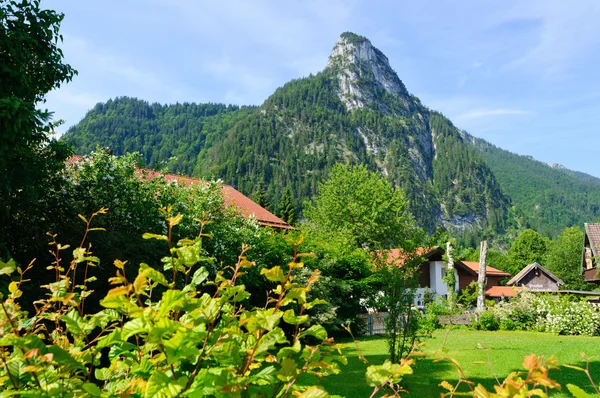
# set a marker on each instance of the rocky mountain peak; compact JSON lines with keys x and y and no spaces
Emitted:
{"x":363,"y":73}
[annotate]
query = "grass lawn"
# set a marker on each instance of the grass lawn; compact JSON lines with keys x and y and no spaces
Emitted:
{"x":507,"y":352}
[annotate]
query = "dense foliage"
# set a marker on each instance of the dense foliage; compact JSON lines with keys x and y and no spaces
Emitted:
{"x":563,"y":258}
{"x":31,"y":65}
{"x":550,"y":198}
{"x":158,"y":337}
{"x":170,"y":137}
{"x":363,"y":205}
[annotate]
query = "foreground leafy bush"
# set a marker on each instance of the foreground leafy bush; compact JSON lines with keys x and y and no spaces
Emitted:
{"x":186,"y":335}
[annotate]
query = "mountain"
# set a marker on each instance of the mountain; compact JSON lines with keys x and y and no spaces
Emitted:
{"x":551,"y":197}
{"x":358,"y":111}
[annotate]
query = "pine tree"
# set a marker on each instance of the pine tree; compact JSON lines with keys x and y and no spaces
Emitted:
{"x":260,"y":196}
{"x":286,"y":208}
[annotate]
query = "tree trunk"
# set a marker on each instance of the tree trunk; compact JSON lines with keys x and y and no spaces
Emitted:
{"x":481,"y":277}
{"x":450,"y":276}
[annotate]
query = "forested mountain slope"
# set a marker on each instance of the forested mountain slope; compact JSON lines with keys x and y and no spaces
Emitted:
{"x":168,"y":136}
{"x":356,"y":110}
{"x":550,"y":197}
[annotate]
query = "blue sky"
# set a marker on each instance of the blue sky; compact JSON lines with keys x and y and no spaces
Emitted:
{"x":523,"y":75}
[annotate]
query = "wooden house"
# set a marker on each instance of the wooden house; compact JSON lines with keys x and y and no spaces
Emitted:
{"x":591,"y":250}
{"x":534,"y":277}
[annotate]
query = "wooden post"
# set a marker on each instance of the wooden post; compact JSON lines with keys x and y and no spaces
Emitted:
{"x":450,"y":276}
{"x":481,"y":277}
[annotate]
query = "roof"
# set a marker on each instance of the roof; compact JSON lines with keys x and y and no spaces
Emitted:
{"x":530,"y":268}
{"x":593,"y":233}
{"x":398,"y":256}
{"x":502,"y":291}
{"x":473,"y":266}
{"x":231,"y":196}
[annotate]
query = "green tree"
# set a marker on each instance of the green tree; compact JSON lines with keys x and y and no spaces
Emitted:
{"x":260,"y":196}
{"x":529,"y":247}
{"x":287,"y":212}
{"x":564,"y":258}
{"x":31,"y":65}
{"x":362,"y":204}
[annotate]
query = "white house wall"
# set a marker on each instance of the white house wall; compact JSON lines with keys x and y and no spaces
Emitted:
{"x":436,"y":274}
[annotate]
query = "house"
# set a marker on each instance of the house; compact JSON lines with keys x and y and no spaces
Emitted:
{"x":591,"y":249}
{"x":231,"y":197}
{"x":433,"y":270}
{"x":536,"y":278}
{"x":533,"y":277}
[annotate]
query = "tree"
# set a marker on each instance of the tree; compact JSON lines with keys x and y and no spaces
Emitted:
{"x":564,"y":258}
{"x":528,"y":248}
{"x":287,"y":212}
{"x":260,"y":196}
{"x":31,"y":66}
{"x":364,"y":205}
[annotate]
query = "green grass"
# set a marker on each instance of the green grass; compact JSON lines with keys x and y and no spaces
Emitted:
{"x":507,"y":350}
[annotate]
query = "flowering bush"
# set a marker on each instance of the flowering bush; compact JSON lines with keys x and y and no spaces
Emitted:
{"x":549,"y":313}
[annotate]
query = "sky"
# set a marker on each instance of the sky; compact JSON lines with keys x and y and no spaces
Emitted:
{"x":523,"y":75}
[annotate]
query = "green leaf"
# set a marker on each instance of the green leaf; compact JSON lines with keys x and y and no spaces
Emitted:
{"x":199,"y":276}
{"x":73,"y":321}
{"x":92,"y":389}
{"x":297,"y":293}
{"x":292,"y":319}
{"x":154,"y":236}
{"x":314,"y":392}
{"x":63,"y":358}
{"x":262,"y":320}
{"x":102,"y":374}
{"x":8,"y":267}
{"x":133,"y":327}
{"x":308,"y":306}
{"x":577,"y":392}
{"x":175,"y":220}
{"x":378,"y":375}
{"x":274,"y":274}
{"x":171,"y":300}
{"x":288,"y":371}
{"x":317,"y":331}
{"x":79,"y":254}
{"x":161,"y":385}
{"x":153,"y":275}
{"x":179,"y":347}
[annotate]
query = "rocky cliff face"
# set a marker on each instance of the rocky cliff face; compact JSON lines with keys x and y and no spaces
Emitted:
{"x":366,"y":83}
{"x":362,"y":72}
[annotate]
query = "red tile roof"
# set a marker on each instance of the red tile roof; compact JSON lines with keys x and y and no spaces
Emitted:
{"x":398,"y":256}
{"x":474,"y":266}
{"x":499,"y":291}
{"x":231,"y":196}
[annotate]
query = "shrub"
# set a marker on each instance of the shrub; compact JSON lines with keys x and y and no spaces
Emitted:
{"x":550,"y":313}
{"x":186,"y":334}
{"x":507,"y":324}
{"x":488,"y":321}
